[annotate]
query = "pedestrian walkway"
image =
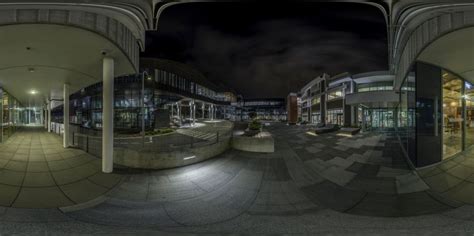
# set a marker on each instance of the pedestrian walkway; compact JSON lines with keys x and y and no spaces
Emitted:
{"x":309,"y":185}
{"x":454,"y":178}
{"x":37,"y":172}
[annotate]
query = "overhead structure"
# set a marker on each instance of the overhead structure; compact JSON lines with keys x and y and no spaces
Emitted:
{"x":56,"y":48}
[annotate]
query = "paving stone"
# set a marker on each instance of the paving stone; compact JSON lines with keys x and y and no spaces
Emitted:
{"x":377,"y":204}
{"x":16,"y":165}
{"x":410,"y":183}
{"x":83,"y":191}
{"x":43,"y":198}
{"x":387,"y":172}
{"x":20,"y":157}
{"x":37,"y":167}
{"x":461,"y":171}
{"x":362,"y":169}
{"x":373,"y":185}
{"x":463,"y":192}
{"x":338,"y":175}
{"x":442,"y":182}
{"x":8,"y":194}
{"x":38,"y":179}
{"x":340,"y":162}
{"x":333,"y":196}
{"x":10,"y":177}
{"x":420,"y":203}
{"x":105,"y":180}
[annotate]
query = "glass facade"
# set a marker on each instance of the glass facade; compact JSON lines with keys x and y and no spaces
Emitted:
{"x":10,"y":114}
{"x":335,"y":116}
{"x":316,"y":117}
{"x":469,"y":111}
{"x":380,"y":118}
{"x":452,"y":114}
{"x":334,"y":95}
{"x":377,"y":86}
{"x":265,"y":109}
{"x":162,"y":91}
{"x":436,"y":120}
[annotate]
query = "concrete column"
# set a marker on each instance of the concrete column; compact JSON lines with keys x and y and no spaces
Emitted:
{"x":194,"y":113}
{"x":45,"y":117}
{"x":215,"y":112}
{"x":202,"y":108}
{"x":210,"y":112}
{"x":108,"y":116}
{"x":178,"y":107}
{"x":66,"y":116}
{"x":191,"y":113}
{"x":364,"y":122}
{"x":172,"y":110}
{"x":49,"y":116}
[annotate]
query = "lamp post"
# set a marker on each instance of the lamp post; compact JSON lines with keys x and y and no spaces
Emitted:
{"x":143,"y":105}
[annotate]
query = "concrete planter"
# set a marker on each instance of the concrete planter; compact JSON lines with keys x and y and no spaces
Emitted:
{"x":351,"y":131}
{"x":163,"y":160}
{"x":263,"y":143}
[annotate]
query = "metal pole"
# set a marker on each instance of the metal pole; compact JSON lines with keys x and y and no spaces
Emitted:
{"x":143,"y":107}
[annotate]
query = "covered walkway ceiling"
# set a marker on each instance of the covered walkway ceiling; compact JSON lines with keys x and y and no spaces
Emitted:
{"x":42,"y":57}
{"x":454,"y":51}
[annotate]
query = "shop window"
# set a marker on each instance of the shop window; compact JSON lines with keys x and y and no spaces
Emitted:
{"x":334,"y":95}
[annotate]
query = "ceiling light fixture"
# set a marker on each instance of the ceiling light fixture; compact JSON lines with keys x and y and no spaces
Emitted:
{"x":31,"y":70}
{"x":33,"y":92}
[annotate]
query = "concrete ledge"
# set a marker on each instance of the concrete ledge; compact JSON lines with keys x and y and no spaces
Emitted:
{"x":351,"y":131}
{"x":264,"y":144}
{"x":163,"y":160}
{"x":84,"y":205}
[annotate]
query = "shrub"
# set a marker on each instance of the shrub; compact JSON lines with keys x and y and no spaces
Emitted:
{"x":255,"y":125}
{"x":160,"y":131}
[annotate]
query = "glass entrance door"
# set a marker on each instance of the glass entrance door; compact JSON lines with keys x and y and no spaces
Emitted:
{"x":452,"y":115}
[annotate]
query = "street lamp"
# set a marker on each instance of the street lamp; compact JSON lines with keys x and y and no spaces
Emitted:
{"x":143,"y":103}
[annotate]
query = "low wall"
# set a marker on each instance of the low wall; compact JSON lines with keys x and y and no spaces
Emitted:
{"x":253,"y":144}
{"x":155,"y":160}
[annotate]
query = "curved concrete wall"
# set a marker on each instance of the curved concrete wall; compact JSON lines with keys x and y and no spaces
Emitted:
{"x":163,"y":160}
{"x":415,"y":36}
{"x":108,"y":27}
{"x":251,"y":144}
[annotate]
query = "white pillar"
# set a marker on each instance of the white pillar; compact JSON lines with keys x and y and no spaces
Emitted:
{"x":210,"y":112}
{"x":66,"y":116}
{"x":194,"y":113}
{"x":108,"y":116}
{"x":172,"y":110}
{"x":49,"y":116}
{"x":45,"y":117}
{"x":203,"y":111}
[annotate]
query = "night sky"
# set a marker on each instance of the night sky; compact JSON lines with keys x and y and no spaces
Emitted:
{"x":263,"y":52}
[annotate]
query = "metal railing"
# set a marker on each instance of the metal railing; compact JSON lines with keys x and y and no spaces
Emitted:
{"x":92,"y":143}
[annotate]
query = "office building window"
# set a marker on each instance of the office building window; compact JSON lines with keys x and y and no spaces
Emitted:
{"x":335,"y":116}
{"x":334,"y":95}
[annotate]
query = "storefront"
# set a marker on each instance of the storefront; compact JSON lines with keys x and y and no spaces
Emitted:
{"x":380,"y":119}
{"x":444,"y":120}
{"x":10,"y":115}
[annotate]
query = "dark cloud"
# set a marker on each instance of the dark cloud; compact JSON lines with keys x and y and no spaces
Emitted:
{"x":272,"y":56}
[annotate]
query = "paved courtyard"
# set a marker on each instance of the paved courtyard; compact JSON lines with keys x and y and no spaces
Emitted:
{"x":37,"y":172}
{"x":329,"y":183}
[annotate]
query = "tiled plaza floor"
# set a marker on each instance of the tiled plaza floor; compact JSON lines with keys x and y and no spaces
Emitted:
{"x":454,"y":178}
{"x":37,"y":172}
{"x":311,"y":184}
